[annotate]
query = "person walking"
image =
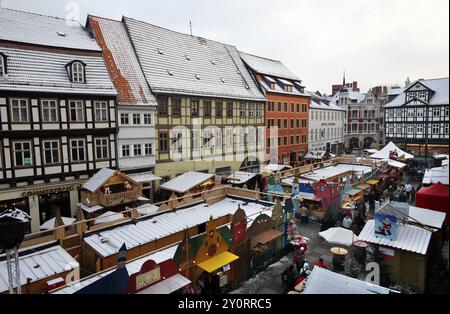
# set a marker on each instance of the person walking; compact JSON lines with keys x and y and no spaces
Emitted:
{"x":304,"y":211}
{"x":408,"y":188}
{"x":413,"y":195}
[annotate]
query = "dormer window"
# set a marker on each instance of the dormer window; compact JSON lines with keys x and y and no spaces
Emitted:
{"x":288,"y":88}
{"x":77,"y":72}
{"x":3,"y":71}
{"x":272,"y":86}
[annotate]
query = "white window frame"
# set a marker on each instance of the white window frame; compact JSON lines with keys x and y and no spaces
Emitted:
{"x":148,"y":119}
{"x":77,"y":69}
{"x":435,"y":127}
{"x":436,"y":112}
{"x":102,"y":143}
{"x":78,"y":147}
{"x":218,"y":137}
{"x":79,"y":112}
{"x":101,"y":111}
{"x":22,"y":151}
{"x":125,"y":148}
{"x":49,"y":106}
{"x":419,"y":128}
{"x":136,"y":118}
{"x":53,"y":150}
{"x":21,"y":105}
{"x":195,"y":139}
{"x":410,"y":129}
{"x":124,"y":116}
{"x":148,"y":149}
{"x":419,"y":112}
{"x":446,"y":129}
{"x":137,"y":150}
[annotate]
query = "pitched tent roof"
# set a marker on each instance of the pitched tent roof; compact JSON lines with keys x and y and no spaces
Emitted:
{"x":439,"y":96}
{"x":409,"y":238}
{"x":435,"y":175}
{"x":384,"y":153}
{"x":178,"y":63}
{"x":267,"y":66}
{"x":434,"y":197}
{"x":186,"y":181}
{"x":98,"y":179}
{"x":123,"y":64}
{"x":323,"y":281}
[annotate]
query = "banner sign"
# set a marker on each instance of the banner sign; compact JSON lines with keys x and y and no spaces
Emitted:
{"x":385,"y":226}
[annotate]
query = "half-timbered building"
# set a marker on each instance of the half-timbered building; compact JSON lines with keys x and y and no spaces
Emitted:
{"x":418,"y":118}
{"x":57,"y":114}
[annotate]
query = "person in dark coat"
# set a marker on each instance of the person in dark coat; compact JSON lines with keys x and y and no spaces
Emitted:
{"x":215,"y":284}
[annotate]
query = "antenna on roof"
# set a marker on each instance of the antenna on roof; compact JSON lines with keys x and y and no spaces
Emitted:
{"x":190,"y":26}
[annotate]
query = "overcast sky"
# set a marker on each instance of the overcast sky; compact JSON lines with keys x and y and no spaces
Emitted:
{"x":374,"y":41}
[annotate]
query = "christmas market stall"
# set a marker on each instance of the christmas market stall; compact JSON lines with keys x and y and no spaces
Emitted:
{"x":328,"y":196}
{"x":434,"y":197}
{"x":189,"y":182}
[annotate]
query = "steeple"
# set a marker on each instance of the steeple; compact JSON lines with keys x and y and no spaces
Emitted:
{"x":343,"y":82}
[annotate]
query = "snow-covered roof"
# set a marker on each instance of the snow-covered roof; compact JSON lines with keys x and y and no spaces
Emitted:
{"x":108,"y":242}
{"x":290,"y":181}
{"x":409,"y":238}
{"x":88,"y":209}
{"x":108,"y":217}
{"x":50,"y":224}
{"x":439,"y":96}
{"x":426,"y":217}
{"x":133,"y":267}
{"x":435,"y":175}
{"x":98,"y":179}
{"x":275,"y":167}
{"x":45,"y":71}
{"x":123,"y":63}
{"x":296,"y":91}
{"x":352,"y":95}
{"x":394,"y":90}
{"x":37,"y":263}
{"x":384,"y":152}
{"x":186,"y":181}
{"x":178,"y":63}
{"x":339,"y":169}
{"x":324,"y":281}
{"x":395,"y":164}
{"x":268,"y":66}
{"x":147,"y":209}
{"x":36,"y":29}
{"x":144,"y":177}
{"x":318,"y":102}
{"x":241,"y":177}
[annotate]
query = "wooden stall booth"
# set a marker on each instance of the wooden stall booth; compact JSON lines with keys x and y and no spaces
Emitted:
{"x":365,"y":188}
{"x":240,"y":246}
{"x":207,"y":256}
{"x":108,"y":189}
{"x":329,"y":195}
{"x":314,"y":204}
{"x":262,"y":238}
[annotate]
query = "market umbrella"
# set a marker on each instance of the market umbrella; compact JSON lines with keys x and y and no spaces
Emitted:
{"x":50,"y":224}
{"x":339,"y":235}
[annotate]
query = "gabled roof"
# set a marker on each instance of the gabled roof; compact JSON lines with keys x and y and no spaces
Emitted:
{"x":36,"y":29}
{"x":98,"y":179}
{"x":384,"y":153}
{"x":268,"y":66}
{"x":39,"y":262}
{"x":176,"y":63}
{"x":122,"y":62}
{"x":186,"y":181}
{"x":439,"y":95}
{"x":45,"y":71}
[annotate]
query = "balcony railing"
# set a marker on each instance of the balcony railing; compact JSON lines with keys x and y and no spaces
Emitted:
{"x":113,"y":198}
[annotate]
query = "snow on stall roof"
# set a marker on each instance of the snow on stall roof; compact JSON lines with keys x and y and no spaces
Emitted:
{"x":144,"y":177}
{"x":241,"y":177}
{"x":89,"y":209}
{"x":290,"y":181}
{"x":439,"y":96}
{"x":435,"y":175}
{"x":45,"y":71}
{"x":384,"y":152}
{"x":331,"y":171}
{"x":147,"y":209}
{"x":37,"y":263}
{"x":36,"y":29}
{"x":426,"y":217}
{"x":108,"y":216}
{"x":108,"y":242}
{"x":395,"y":163}
{"x":50,"y":224}
{"x":133,"y":267}
{"x":268,"y":66}
{"x":98,"y":179}
{"x":275,"y":167}
{"x":324,"y":281}
{"x":409,"y":238}
{"x":186,"y":181}
{"x":126,"y":71}
{"x":160,"y":50}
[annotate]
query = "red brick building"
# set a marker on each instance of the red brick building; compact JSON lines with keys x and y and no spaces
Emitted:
{"x":287,"y":109}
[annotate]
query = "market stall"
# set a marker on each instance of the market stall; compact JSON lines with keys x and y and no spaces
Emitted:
{"x":434,"y":197}
{"x":365,"y":188}
{"x":314,"y":205}
{"x":354,"y":195}
{"x":328,"y":193}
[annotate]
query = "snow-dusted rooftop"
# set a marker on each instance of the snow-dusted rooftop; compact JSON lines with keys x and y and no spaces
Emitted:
{"x":324,"y":281}
{"x":439,"y":95}
{"x":132,"y":268}
{"x":37,"y":263}
{"x":124,"y":67}
{"x":435,"y":175}
{"x":241,"y":177}
{"x":426,"y":217}
{"x":186,"y":181}
{"x":108,"y":242}
{"x":268,"y":66}
{"x":331,"y":171}
{"x":322,"y":103}
{"x":178,"y":63}
{"x":98,"y":179}
{"x":409,"y":238}
{"x":36,"y":29}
